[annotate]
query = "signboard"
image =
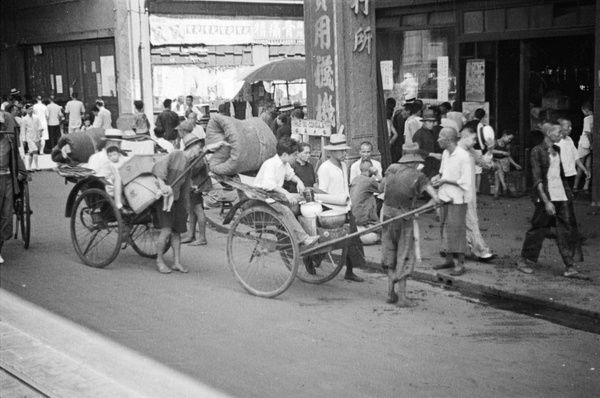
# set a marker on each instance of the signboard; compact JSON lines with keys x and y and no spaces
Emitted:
{"x":183,"y":29}
{"x":108,"y":78}
{"x":311,"y":127}
{"x":443,"y":81}
{"x":387,"y":74}
{"x":475,"y":80}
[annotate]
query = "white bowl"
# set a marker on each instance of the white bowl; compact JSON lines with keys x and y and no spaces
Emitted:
{"x":311,"y":209}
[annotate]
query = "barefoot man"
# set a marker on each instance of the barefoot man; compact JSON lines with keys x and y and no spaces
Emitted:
{"x":402,"y":184}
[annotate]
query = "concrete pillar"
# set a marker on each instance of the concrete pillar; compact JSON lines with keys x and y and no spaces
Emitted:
{"x":134,"y":73}
{"x":341,"y":67}
{"x":596,"y":136}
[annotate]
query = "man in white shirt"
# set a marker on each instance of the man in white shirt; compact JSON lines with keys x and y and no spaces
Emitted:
{"x":333,"y":179}
{"x":75,"y":111}
{"x":365,"y":154}
{"x":31,"y":131}
{"x":568,"y":153}
{"x":270,"y":177}
{"x":412,"y":123}
{"x":55,"y":115}
{"x":455,"y":189}
{"x":40,"y":110}
{"x":104,"y":118}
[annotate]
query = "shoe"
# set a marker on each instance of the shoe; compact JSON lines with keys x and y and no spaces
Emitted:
{"x":38,"y":170}
{"x":573,"y":274}
{"x":308,"y":264}
{"x":443,"y":266}
{"x":1,"y":260}
{"x":487,"y":257}
{"x":198,"y":243}
{"x":353,"y":278}
{"x":523,"y":266}
{"x":458,"y":271}
{"x":442,"y":254}
{"x":310,"y":240}
{"x":126,"y":211}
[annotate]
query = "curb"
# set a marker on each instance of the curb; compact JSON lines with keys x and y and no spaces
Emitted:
{"x":466,"y":286}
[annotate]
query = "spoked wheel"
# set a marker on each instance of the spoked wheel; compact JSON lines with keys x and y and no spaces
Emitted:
{"x":262,"y":252}
{"x":143,"y":238}
{"x":96,"y":228}
{"x":321,"y":267}
{"x":26,"y":216}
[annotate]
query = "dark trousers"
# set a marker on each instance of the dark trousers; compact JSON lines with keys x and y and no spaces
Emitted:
{"x":356,"y":252}
{"x":569,"y":245}
{"x":54,"y":135}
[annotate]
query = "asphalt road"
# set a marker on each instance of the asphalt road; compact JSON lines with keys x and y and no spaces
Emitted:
{"x":338,"y":339}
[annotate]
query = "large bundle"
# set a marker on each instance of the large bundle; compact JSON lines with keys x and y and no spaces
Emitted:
{"x":82,"y":145}
{"x":252,"y":142}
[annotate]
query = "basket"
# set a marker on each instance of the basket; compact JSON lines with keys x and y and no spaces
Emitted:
{"x":141,"y":192}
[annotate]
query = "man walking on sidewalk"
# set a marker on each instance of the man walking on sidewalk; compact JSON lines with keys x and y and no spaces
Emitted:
{"x":553,"y":206}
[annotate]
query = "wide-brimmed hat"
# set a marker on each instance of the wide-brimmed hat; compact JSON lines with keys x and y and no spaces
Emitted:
{"x":112,"y":134}
{"x":14,"y":91}
{"x":286,"y":108}
{"x":410,"y":153}
{"x":189,"y":140}
{"x":428,"y":115}
{"x":337,"y":142}
{"x":186,"y":126}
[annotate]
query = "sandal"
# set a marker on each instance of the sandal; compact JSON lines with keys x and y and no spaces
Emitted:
{"x":575,"y":275}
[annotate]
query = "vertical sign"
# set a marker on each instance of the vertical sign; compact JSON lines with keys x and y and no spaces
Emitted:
{"x":443,"y":80}
{"x":108,"y":78}
{"x":324,"y":56}
{"x":387,"y":74}
{"x":475,"y":80}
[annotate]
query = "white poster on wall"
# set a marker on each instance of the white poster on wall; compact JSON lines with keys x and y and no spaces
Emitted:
{"x":109,"y":82}
{"x":475,"y":80}
{"x":387,"y":74}
{"x":59,"y":84}
{"x":443,"y":81}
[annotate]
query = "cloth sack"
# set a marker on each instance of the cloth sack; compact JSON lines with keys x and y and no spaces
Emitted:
{"x":82,"y":145}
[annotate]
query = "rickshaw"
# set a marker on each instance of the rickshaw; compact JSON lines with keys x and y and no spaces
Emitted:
{"x":21,"y":202}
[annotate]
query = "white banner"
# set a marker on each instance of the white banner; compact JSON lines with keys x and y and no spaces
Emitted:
{"x":387,"y":74}
{"x":179,"y":30}
{"x":311,"y":127}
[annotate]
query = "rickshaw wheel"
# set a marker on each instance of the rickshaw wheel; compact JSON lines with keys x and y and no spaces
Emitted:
{"x":262,"y":252}
{"x":96,"y":228}
{"x":143,"y":237}
{"x":323,"y":267}
{"x":26,"y":217}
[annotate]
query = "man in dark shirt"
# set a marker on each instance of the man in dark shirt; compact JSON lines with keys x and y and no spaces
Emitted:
{"x":425,"y":137}
{"x":303,"y":169}
{"x":168,"y":120}
{"x":362,"y":189}
{"x":553,"y":206}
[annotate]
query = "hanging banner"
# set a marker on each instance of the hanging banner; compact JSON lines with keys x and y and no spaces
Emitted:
{"x":180,"y":30}
{"x":443,"y":81}
{"x":475,"y":80}
{"x":311,"y":127}
{"x":387,"y":74}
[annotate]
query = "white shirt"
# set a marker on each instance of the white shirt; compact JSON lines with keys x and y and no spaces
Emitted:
{"x":39,"y":110}
{"x":31,"y":127}
{"x":100,"y":163}
{"x":332,"y":179}
{"x":53,"y":112}
{"x":166,"y":145}
{"x":75,"y":109}
{"x":410,"y":128}
{"x":555,"y":185}
{"x":568,"y":156}
{"x":104,"y":119}
{"x":456,"y":167}
{"x":273,"y":173}
{"x":355,"y":168}
{"x":588,"y":123}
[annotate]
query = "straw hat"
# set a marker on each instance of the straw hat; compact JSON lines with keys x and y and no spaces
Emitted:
{"x":14,"y":91}
{"x":411,"y":153}
{"x":189,"y":140}
{"x":186,"y":126}
{"x":428,"y":115}
{"x":337,"y":142}
{"x":113,"y":134}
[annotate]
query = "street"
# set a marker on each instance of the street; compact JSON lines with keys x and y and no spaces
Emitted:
{"x":337,"y":339}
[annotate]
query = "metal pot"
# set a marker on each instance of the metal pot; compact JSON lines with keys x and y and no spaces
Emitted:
{"x":311,"y":209}
{"x":332,"y":219}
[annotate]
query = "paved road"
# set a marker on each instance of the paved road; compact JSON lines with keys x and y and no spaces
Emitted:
{"x":338,"y":339}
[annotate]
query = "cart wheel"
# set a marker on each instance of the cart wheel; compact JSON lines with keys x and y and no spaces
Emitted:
{"x":96,"y":228}
{"x":143,"y":239}
{"x":322,"y":267}
{"x":26,"y":216}
{"x":257,"y":243}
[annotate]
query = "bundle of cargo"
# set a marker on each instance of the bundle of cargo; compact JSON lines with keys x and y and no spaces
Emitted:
{"x":81,"y":145}
{"x":251,"y":143}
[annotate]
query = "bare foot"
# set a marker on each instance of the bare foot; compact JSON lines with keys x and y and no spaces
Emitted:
{"x":180,"y":268}
{"x":392,"y":298}
{"x":162,"y":268}
{"x":406,"y":303}
{"x":198,"y":242}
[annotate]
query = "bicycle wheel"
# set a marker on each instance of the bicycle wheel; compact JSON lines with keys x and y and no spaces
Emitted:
{"x":25,"y":216}
{"x":321,"y":267}
{"x":143,"y":238}
{"x":257,"y":244}
{"x":96,"y":228}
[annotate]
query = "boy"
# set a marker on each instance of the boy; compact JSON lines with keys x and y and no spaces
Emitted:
{"x":302,"y":168}
{"x":32,"y":133}
{"x":502,"y":161}
{"x":362,"y":188}
{"x":402,"y":185}
{"x":271,"y":176}
{"x":114,"y":156}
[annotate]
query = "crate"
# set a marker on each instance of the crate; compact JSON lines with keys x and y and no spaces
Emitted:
{"x":141,"y":192}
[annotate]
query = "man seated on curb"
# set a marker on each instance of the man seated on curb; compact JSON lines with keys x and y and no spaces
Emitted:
{"x":362,"y":190}
{"x":402,"y":185}
{"x":270,"y":177}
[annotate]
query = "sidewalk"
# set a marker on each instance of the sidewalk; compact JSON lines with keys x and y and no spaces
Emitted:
{"x":62,"y":359}
{"x":503,"y":224}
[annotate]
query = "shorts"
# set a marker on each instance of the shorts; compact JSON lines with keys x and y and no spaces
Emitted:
{"x":196,"y":199}
{"x":176,"y":219}
{"x":502,"y":165}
